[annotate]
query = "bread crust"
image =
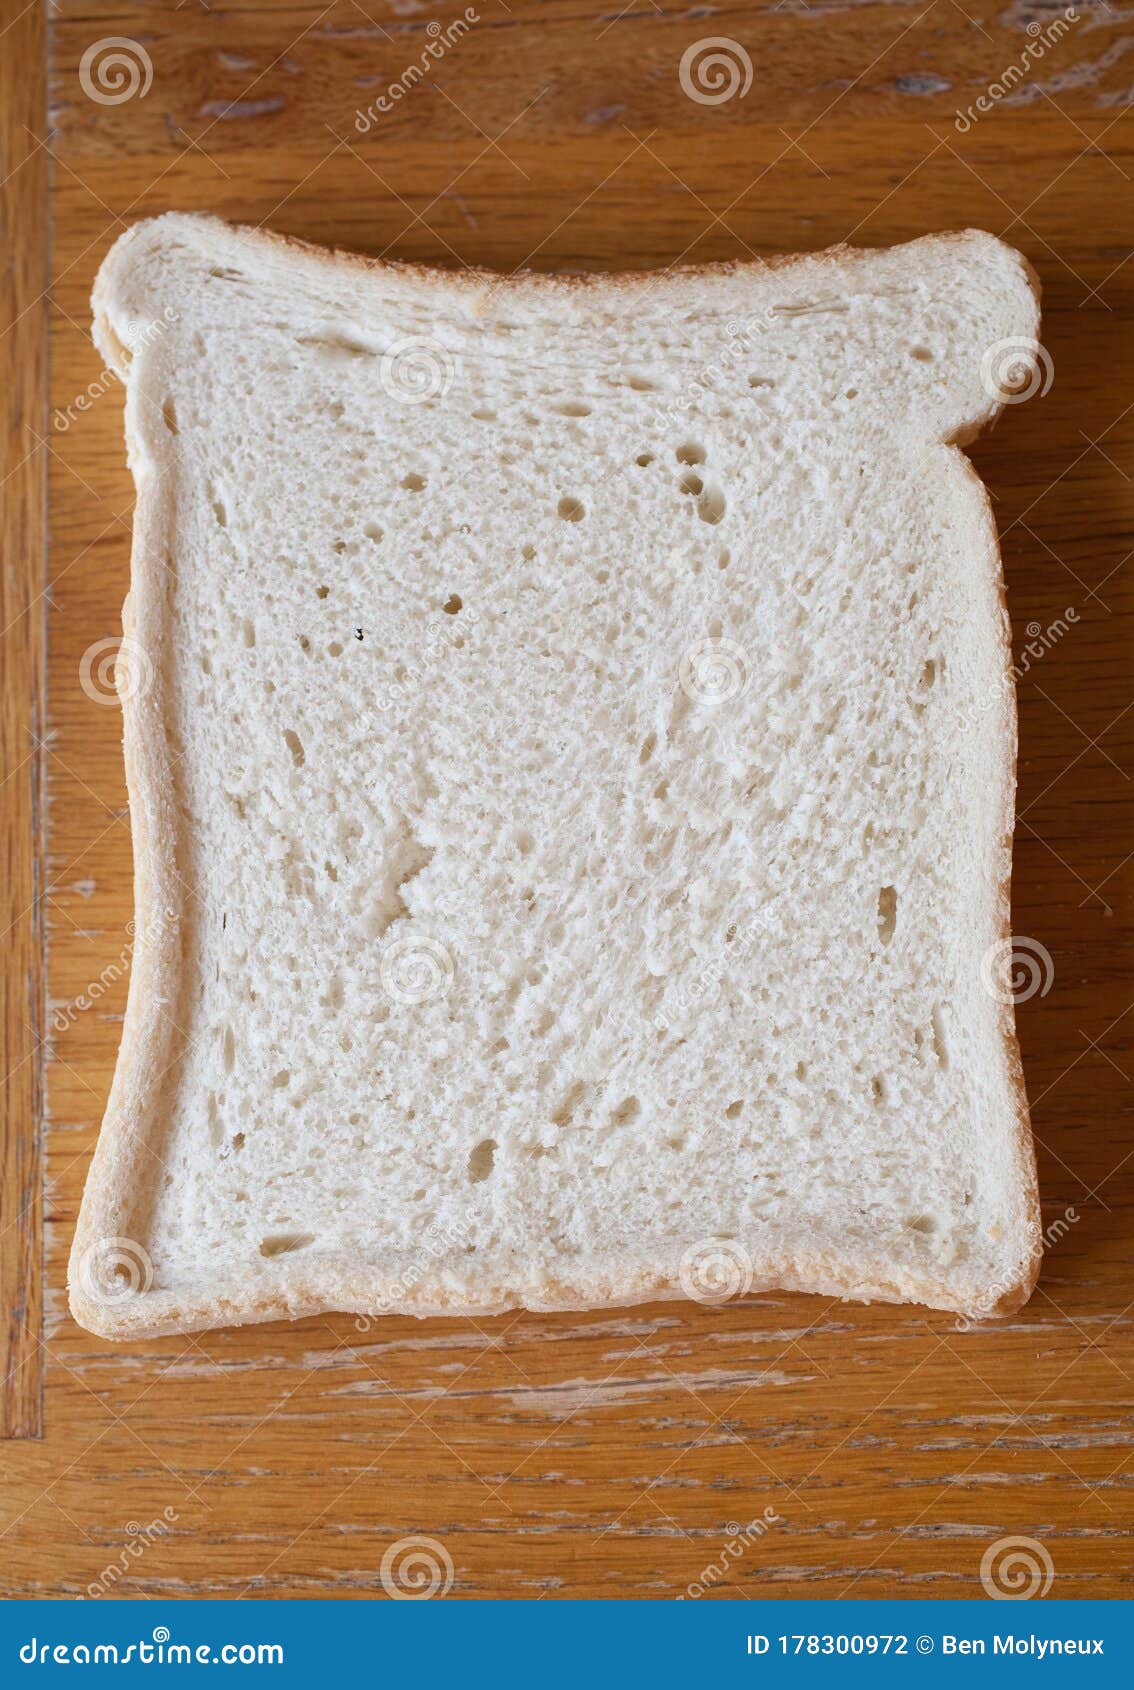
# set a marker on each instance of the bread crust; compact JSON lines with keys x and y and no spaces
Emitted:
{"x":115,"y":1192}
{"x":1013,"y":1296}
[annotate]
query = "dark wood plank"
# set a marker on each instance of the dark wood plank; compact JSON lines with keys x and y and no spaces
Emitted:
{"x":23,"y":404}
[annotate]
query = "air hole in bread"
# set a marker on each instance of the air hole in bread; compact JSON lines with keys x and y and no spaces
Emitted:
{"x":642,"y":384}
{"x":928,"y":674}
{"x":760,"y":381}
{"x":283,"y":1078}
{"x":691,"y":483}
{"x":724,"y":559}
{"x":481,"y":1159}
{"x":249,"y":632}
{"x":220,"y":511}
{"x":628,"y":1110}
{"x":334,"y":649}
{"x":571,"y":510}
{"x":922,"y":1223}
{"x":238,"y":1141}
{"x":452,"y":604}
{"x":339,"y":342}
{"x":648,"y":746}
{"x":228,"y":1047}
{"x":734,"y":1109}
{"x":413,"y":482}
{"x":169,"y":416}
{"x":295,"y":746}
{"x":711,"y":505}
{"x":283,"y":1243}
{"x":304,"y":643}
{"x":887,"y":913}
{"x":644,"y":459}
{"x":372,"y":531}
{"x":574,"y":408}
{"x":571,"y":1101}
{"x":485,"y":415}
{"x":878,"y":1089}
{"x":690,"y":454}
{"x":321,"y":592}
{"x":922,"y":354}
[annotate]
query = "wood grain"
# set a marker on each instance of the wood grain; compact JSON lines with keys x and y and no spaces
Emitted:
{"x":607,"y":1454}
{"x":23,"y":542}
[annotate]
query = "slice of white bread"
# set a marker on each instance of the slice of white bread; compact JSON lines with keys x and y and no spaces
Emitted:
{"x":570,"y":742}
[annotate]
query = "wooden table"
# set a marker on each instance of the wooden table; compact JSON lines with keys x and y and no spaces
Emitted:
{"x":602,"y":1454}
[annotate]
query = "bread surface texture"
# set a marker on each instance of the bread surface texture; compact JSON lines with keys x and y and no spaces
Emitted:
{"x":570,"y":743}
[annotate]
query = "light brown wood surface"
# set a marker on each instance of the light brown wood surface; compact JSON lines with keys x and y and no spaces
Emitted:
{"x":606,"y":1454}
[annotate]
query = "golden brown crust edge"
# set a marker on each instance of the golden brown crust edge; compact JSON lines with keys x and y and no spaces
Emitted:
{"x":475,"y":277}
